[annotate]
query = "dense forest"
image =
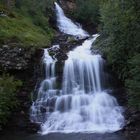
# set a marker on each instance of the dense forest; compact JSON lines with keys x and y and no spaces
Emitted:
{"x":117,"y":22}
{"x":26,"y":22}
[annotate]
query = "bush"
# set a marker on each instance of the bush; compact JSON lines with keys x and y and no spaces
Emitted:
{"x":8,"y":101}
{"x":87,"y":11}
{"x":120,"y":24}
{"x":133,"y":81}
{"x":119,"y":40}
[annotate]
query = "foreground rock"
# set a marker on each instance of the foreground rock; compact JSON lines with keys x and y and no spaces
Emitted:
{"x":132,"y":121}
{"x":14,"y":57}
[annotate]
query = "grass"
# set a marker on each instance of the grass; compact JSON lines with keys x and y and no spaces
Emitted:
{"x":21,"y":28}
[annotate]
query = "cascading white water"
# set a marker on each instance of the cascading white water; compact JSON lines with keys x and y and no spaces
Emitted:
{"x":81,"y":105}
{"x":82,"y":70}
{"x":66,"y":26}
{"x":46,"y":91}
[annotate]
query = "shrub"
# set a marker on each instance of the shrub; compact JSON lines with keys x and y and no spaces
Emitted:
{"x":87,"y":11}
{"x":133,"y":81}
{"x":120,"y":33}
{"x":8,"y":101}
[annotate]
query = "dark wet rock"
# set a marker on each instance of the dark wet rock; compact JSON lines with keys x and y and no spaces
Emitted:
{"x":120,"y":95}
{"x":3,"y":14}
{"x":59,"y":52}
{"x":68,"y":5}
{"x":43,"y":109}
{"x":61,"y":56}
{"x":14,"y":58}
{"x":51,"y":14}
{"x":132,"y":117}
{"x":66,"y":43}
{"x":51,"y":109}
{"x":59,"y":69}
{"x":33,"y":127}
{"x":52,"y":102}
{"x":95,"y":51}
{"x":98,"y":51}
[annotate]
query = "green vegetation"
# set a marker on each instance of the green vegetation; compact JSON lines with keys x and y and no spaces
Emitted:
{"x":120,"y":41}
{"x":118,"y":23}
{"x":22,"y":22}
{"x":87,"y":11}
{"x":26,"y":22}
{"x":22,"y":30}
{"x":133,"y":82}
{"x":8,"y":101}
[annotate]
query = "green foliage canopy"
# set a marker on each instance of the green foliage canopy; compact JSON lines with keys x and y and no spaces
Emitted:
{"x":8,"y":100}
{"x":120,"y":41}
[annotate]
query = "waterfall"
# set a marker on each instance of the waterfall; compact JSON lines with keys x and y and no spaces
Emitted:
{"x":46,"y":91}
{"x":66,"y":26}
{"x":82,"y":105}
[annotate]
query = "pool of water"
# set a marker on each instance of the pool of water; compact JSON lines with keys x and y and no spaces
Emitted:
{"x":61,"y":136}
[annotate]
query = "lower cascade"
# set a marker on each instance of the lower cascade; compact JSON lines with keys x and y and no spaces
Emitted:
{"x":82,"y":104}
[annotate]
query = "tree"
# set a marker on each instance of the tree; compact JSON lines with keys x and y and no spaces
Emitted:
{"x":120,"y":31}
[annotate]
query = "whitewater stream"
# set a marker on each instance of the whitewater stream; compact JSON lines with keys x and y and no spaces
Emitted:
{"x":82,"y":104}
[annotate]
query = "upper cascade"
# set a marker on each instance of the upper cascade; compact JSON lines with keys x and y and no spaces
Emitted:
{"x":66,"y":25}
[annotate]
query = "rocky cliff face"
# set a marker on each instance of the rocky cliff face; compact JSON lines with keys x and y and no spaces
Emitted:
{"x":68,"y":5}
{"x":14,"y":58}
{"x":24,"y":64}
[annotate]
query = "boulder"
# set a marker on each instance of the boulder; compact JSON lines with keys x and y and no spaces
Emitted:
{"x":14,"y":58}
{"x":132,"y":116}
